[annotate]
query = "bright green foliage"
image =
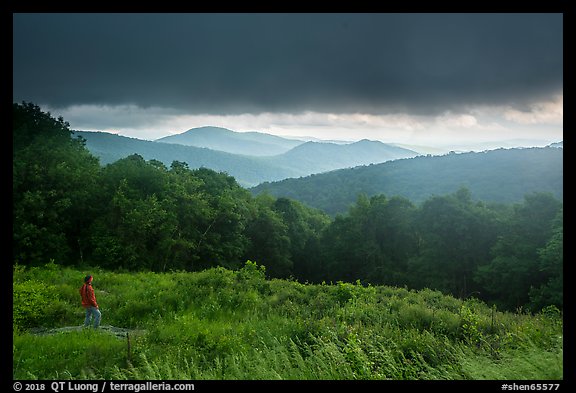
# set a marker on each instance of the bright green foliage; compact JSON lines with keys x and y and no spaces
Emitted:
{"x":85,"y":354}
{"x":30,"y":300}
{"x":236,"y":324}
{"x":470,"y":325}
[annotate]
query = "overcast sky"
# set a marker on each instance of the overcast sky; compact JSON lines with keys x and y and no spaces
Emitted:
{"x":432,"y":79}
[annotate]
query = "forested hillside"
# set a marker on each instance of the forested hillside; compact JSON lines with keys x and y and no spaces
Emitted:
{"x":142,"y":215}
{"x":503,"y":175}
{"x":248,"y":171}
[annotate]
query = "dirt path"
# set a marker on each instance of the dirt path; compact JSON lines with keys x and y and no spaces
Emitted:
{"x":118,"y":332}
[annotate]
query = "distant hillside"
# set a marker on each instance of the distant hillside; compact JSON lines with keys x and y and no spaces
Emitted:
{"x":249,"y":171}
{"x":315,"y":157}
{"x":222,"y":139}
{"x":502,"y":175}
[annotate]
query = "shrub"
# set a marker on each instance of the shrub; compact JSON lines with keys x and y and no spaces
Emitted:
{"x":470,"y":325}
{"x":30,"y":300}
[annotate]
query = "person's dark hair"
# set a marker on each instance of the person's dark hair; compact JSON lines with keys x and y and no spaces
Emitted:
{"x":87,"y":278}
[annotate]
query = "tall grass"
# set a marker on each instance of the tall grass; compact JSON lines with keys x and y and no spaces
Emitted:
{"x":223,"y":324}
{"x":84,"y":354}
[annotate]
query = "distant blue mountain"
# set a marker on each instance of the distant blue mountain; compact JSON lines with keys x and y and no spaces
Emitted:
{"x":557,"y":144}
{"x":221,"y":139}
{"x":305,"y":159}
{"x":248,"y":171}
{"x":322,"y":157}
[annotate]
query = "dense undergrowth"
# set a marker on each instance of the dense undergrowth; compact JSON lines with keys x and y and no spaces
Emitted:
{"x":224,"y":324}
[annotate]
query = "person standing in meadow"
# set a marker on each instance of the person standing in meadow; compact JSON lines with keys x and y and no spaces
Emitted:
{"x":89,"y":303}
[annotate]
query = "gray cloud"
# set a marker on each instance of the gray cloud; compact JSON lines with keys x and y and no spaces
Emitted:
{"x":237,"y":63}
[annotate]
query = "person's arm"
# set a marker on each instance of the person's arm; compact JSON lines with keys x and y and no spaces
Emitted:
{"x":92,"y":296}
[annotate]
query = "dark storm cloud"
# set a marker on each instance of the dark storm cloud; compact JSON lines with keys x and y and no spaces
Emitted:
{"x":234,"y":63}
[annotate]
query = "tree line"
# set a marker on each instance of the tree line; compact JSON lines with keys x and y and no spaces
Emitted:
{"x":134,"y":214}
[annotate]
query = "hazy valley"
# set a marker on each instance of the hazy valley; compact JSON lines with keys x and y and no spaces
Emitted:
{"x":246,"y":156}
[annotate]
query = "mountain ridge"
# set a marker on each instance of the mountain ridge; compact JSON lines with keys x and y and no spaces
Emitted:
{"x":330,"y":156}
{"x":248,"y":170}
{"x":500,"y":175}
{"x":251,"y":143}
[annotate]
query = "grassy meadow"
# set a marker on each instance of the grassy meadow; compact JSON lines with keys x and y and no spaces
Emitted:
{"x":237,"y":325}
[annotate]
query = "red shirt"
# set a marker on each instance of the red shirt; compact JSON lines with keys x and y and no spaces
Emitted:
{"x":88,"y":297}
